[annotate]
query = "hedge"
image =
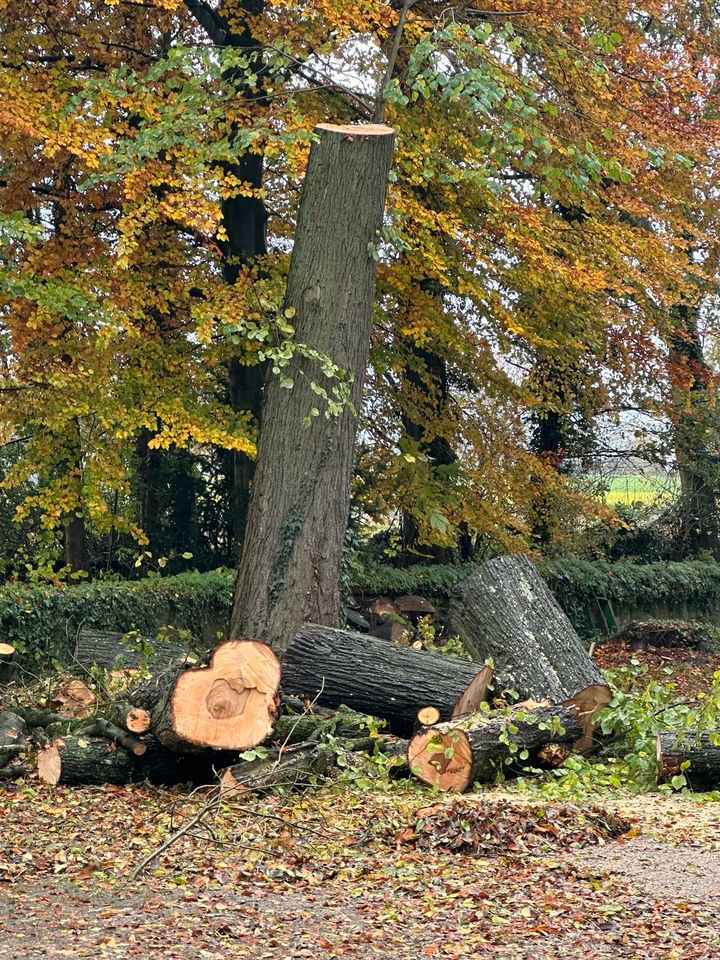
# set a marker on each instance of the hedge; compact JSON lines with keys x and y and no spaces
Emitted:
{"x":42,"y":621}
{"x":681,"y":588}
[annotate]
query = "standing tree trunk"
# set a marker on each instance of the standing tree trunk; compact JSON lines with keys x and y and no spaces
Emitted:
{"x":290,"y":566}
{"x":695,"y":439}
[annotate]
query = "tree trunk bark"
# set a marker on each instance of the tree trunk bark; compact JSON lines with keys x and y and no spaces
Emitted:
{"x":295,"y":766}
{"x":334,"y":667}
{"x":149,"y":464}
{"x":454,"y":755}
{"x":505,"y":612}
{"x":75,"y":760}
{"x":290,"y":566}
{"x":230,"y":704}
{"x":75,"y":540}
{"x":674,"y":749}
{"x":695,"y":439}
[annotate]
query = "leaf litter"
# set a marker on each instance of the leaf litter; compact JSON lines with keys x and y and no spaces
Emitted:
{"x":332,"y":874}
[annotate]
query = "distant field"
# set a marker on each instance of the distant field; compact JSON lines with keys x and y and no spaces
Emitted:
{"x":634,"y":488}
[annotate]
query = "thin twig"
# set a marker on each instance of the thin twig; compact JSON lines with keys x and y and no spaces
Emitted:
{"x":380,"y":100}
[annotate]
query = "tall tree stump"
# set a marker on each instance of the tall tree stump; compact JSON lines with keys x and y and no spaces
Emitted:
{"x":290,"y":566}
{"x":505,"y":612}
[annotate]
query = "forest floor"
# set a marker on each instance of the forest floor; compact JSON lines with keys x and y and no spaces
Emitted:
{"x":360,"y":869}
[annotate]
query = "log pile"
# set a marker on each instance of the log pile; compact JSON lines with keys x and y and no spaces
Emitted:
{"x":257,"y":724}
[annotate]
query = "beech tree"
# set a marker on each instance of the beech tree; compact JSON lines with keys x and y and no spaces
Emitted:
{"x":290,"y":567}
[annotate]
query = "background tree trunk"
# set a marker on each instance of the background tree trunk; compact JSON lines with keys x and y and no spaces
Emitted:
{"x":694,"y":436}
{"x":290,"y":566}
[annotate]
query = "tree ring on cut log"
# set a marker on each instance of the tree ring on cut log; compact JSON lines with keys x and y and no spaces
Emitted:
{"x":230,"y":703}
{"x":137,"y":720}
{"x":442,"y":760}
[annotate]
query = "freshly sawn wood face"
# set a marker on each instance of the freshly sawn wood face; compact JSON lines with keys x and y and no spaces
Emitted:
{"x":230,"y":704}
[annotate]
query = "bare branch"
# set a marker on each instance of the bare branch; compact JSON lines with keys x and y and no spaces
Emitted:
{"x":210,"y":20}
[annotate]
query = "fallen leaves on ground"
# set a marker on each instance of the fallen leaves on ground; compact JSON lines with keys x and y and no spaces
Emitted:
{"x":691,"y":671}
{"x":492,"y":828}
{"x":323,"y":875}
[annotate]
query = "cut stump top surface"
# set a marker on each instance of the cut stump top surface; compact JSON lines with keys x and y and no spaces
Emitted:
{"x":229,"y":704}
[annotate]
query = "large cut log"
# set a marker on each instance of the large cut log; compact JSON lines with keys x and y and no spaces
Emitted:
{"x":107,"y":649}
{"x":698,"y":750}
{"x":454,"y":755}
{"x":380,"y":678}
{"x":75,"y":760}
{"x":229,"y":703}
{"x":504,"y":612}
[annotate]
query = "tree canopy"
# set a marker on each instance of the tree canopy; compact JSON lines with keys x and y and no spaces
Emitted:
{"x":552,"y":213}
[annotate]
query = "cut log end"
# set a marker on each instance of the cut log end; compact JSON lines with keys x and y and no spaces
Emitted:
{"x":49,"y":764}
{"x":137,"y":720}
{"x":585,"y":703}
{"x":442,"y":760}
{"x":357,"y":129}
{"x":6,"y":650}
{"x":231,"y":703}
{"x":474,"y":695}
{"x":428,"y":716}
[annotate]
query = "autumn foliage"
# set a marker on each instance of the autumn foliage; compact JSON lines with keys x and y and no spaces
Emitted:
{"x":551,"y":205}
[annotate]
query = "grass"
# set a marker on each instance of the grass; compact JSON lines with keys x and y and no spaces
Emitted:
{"x":629,"y":488}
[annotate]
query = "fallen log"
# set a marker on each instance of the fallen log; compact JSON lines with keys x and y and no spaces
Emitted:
{"x":454,"y":755}
{"x":504,"y":612}
{"x":373,"y":676}
{"x":694,"y":635}
{"x":343,"y":724}
{"x":289,"y":768}
{"x":697,"y":750}
{"x":108,"y":649}
{"x":14,"y":772}
{"x":229,"y":703}
{"x":134,"y":719}
{"x":108,"y":730}
{"x":76,"y":760}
